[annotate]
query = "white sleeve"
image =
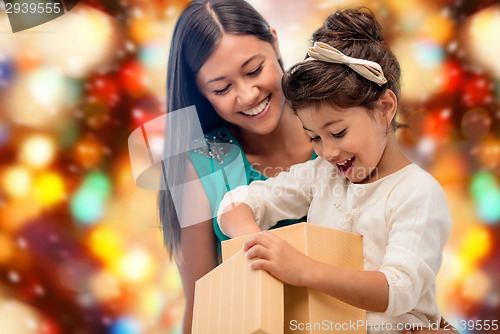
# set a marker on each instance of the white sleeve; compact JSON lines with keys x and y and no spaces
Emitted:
{"x":419,"y":224}
{"x":285,"y":196}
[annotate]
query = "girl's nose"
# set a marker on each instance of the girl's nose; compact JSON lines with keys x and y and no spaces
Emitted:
{"x":330,"y":152}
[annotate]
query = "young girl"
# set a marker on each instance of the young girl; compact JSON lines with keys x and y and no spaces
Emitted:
{"x":345,"y":95}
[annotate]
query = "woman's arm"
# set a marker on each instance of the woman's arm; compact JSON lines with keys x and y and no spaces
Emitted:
{"x":198,"y":258}
{"x":364,"y":289}
{"x":198,"y":241}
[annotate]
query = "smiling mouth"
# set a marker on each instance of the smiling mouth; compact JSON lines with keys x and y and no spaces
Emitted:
{"x":257,"y":109}
{"x":345,"y":166}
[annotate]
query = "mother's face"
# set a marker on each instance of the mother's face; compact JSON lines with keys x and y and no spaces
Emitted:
{"x":242,"y":81}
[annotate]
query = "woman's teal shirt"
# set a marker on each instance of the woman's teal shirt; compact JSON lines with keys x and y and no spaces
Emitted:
{"x":223,"y":166}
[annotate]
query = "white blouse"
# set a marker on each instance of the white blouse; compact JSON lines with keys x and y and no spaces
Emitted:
{"x":404,"y":220}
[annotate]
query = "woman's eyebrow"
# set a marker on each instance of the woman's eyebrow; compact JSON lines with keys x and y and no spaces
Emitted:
{"x":245,"y":63}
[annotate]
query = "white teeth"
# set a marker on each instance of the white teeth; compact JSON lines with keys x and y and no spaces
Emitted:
{"x":258,"y":109}
{"x":343,"y":163}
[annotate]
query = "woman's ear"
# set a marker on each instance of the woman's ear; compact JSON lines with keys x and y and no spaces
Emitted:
{"x":389,"y":106}
{"x":275,"y":43}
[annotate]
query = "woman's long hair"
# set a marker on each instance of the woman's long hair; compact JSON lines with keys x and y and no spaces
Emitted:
{"x":196,"y":36}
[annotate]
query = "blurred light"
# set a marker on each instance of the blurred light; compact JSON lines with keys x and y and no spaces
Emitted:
{"x":37,"y":98}
{"x":144,"y":29}
{"x":477,"y":91}
{"x":88,"y":151}
{"x":99,"y":183}
{"x":27,"y":61}
{"x":37,"y":151}
{"x":74,"y":274}
{"x":105,"y":244}
{"x":87,"y":203}
{"x":46,"y":87}
{"x":74,"y":91}
{"x":484,"y":188}
{"x":104,"y":89}
{"x":16,"y":181}
{"x":403,"y":7}
{"x":133,"y":78}
{"x":125,"y":325}
{"x":429,"y":54}
{"x":151,"y":303}
{"x":68,"y":135}
{"x":489,"y":154}
{"x":17,"y":212}
{"x":104,"y":286}
{"x":489,"y":206}
{"x":476,"y":244}
{"x":49,"y":188}
{"x":481,"y":36}
{"x":437,"y":27}
{"x":482,"y":181}
{"x":6,"y":73}
{"x":6,"y":247}
{"x":137,"y":266}
{"x":153,"y":55}
{"x":452,"y":76}
{"x":426,"y":147}
{"x":477,"y":286}
{"x":419,"y":125}
{"x":172,"y":280}
{"x":96,"y":115}
{"x":450,"y":167}
{"x":86,"y":39}
{"x":475,"y":124}
{"x":18,"y":318}
{"x":4,"y":133}
{"x":421,"y":65}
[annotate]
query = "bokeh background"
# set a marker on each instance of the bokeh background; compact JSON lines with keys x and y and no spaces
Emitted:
{"x":80,"y":245}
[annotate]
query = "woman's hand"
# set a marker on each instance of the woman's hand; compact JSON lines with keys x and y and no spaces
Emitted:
{"x":274,"y":255}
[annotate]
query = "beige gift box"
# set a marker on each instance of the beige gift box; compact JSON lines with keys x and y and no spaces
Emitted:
{"x":233,"y":298}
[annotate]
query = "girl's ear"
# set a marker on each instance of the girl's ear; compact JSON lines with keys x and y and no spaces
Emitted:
{"x":275,"y":43}
{"x":389,"y":106}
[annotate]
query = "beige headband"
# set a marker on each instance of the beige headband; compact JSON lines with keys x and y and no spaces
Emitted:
{"x":368,"y":69}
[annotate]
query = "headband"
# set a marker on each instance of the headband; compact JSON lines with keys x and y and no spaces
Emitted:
{"x":368,"y":69}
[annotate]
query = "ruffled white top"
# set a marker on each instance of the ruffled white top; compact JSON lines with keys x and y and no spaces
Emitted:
{"x":404,"y":220}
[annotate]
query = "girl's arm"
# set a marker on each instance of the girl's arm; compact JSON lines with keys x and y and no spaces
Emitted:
{"x":364,"y":289}
{"x":237,"y":220}
{"x":260,"y":205}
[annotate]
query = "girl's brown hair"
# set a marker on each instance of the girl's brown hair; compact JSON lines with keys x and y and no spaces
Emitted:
{"x":356,"y":33}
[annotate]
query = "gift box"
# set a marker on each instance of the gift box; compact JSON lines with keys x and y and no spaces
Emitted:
{"x":233,"y":298}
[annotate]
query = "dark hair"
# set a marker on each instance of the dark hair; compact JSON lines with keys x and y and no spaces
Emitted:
{"x":196,"y":36}
{"x":356,"y":33}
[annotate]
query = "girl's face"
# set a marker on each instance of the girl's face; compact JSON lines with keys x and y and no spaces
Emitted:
{"x":352,"y":139}
{"x":242,"y":81}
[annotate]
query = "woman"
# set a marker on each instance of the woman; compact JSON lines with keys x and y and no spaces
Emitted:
{"x":224,"y":59}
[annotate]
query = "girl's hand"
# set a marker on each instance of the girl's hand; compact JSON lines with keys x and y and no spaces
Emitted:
{"x":274,"y":255}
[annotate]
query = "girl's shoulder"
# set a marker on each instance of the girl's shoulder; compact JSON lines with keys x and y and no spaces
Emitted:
{"x":413,"y":180}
